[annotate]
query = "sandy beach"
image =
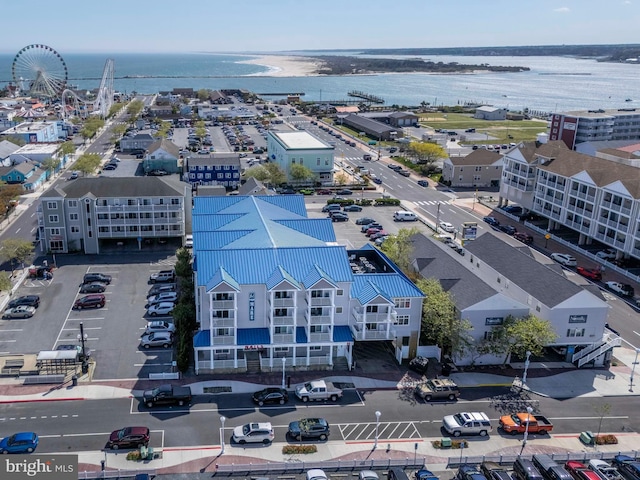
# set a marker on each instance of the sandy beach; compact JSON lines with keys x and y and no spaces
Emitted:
{"x":286,"y":66}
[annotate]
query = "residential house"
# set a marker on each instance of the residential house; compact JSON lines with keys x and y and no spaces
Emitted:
{"x":140,"y":141}
{"x":481,"y":168}
{"x":164,"y":155}
{"x":28,"y":174}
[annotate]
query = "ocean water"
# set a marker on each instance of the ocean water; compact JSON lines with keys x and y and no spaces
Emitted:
{"x":552,"y":84}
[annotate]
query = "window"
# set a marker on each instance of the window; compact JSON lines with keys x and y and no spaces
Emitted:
{"x":75,"y":229}
{"x":315,"y":329}
{"x":55,"y":245}
{"x":73,"y":203}
{"x":53,"y":218}
{"x":318,"y":161}
{"x":281,"y":349}
{"x":222,"y":332}
{"x":402,"y":320}
{"x":575,"y":332}
{"x":402,"y":302}
{"x":175,"y":201}
{"x":339,"y":293}
{"x":52,"y":205}
{"x":577,"y":318}
{"x":315,"y":348}
{"x":338,"y":309}
{"x":478,"y":169}
{"x":490,"y":335}
{"x":73,"y":216}
{"x":281,"y":330}
{"x":54,"y":231}
{"x":494,"y":321}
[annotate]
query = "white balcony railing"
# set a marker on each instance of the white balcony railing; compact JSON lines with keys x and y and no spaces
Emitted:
{"x":223,"y":322}
{"x":223,"y":340}
{"x":319,"y":337}
{"x":283,"y":321}
{"x":320,"y":301}
{"x":282,"y":302}
{"x":318,"y":319}
{"x":283,"y":338}
{"x":223,"y":304}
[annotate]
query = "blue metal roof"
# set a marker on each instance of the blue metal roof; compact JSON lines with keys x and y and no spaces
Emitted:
{"x":320,"y":228}
{"x":315,"y":275}
{"x":202,"y":339}
{"x":342,"y":333}
{"x":393,"y":285}
{"x":209,"y":222}
{"x":255,"y":266}
{"x":301,"y":335}
{"x":279,"y":276}
{"x":240,"y":203}
{"x":222,"y":276}
{"x":253,"y":336}
{"x":367,"y":291}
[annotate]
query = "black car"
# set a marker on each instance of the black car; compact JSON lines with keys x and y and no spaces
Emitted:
{"x":352,"y":208}
{"x":339,"y":217}
{"x":344,"y":191}
{"x":491,"y":221}
{"x":271,"y":395}
{"x":96,"y":277}
{"x":309,"y":428}
{"x":94,"y":287}
{"x":469,"y":472}
{"x":30,"y":300}
{"x":423,"y":183}
{"x":419,"y":364}
{"x":508,"y":229}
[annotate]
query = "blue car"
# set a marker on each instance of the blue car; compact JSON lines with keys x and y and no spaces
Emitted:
{"x":23,"y":442}
{"x":627,"y":466}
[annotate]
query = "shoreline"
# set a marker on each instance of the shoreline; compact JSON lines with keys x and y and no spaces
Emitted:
{"x":285,"y":66}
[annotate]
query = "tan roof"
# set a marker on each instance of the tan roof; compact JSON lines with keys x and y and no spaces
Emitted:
{"x":477,"y":157}
{"x":620,"y":153}
{"x":603,"y":172}
{"x":531,"y":150}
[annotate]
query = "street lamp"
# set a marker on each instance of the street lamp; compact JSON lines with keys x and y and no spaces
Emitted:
{"x":526,"y":367}
{"x":82,"y":338}
{"x":377,"y":426}
{"x":438,"y":217}
{"x":633,"y":370}
{"x":284,"y":362}
{"x":526,"y":429}
{"x":222,"y":419}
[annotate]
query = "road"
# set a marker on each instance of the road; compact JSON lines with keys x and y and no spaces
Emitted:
{"x":85,"y":425}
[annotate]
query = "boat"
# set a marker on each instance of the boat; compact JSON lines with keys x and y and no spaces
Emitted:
{"x":628,"y":100}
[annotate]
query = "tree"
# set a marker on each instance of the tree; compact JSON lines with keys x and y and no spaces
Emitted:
{"x":5,"y":282}
{"x":88,"y":163}
{"x":399,"y":248}
{"x":440,"y":323}
{"x":203,"y":94}
{"x":340,"y":179}
{"x":301,"y":174}
{"x":277,"y":176}
{"x":16,"y":250}
{"x":258,"y":172}
{"x":50,"y":164}
{"x":517,"y":336}
{"x":426,"y":152}
{"x":66,"y":148}
{"x":135,"y":107}
{"x":8,"y":196}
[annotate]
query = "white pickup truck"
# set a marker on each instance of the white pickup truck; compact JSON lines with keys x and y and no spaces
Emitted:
{"x":318,"y":390}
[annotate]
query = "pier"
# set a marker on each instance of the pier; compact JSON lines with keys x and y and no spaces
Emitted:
{"x":365,"y":96}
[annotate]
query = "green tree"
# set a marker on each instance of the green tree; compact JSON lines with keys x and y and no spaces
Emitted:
{"x":426,"y":152}
{"x":340,"y":179}
{"x":66,"y":148}
{"x":301,"y":174}
{"x":49,"y":165}
{"x":135,"y":107}
{"x":258,"y":172}
{"x":517,"y":336}
{"x":118,"y":131}
{"x":8,"y":196}
{"x":399,"y":248}
{"x":16,"y":250}
{"x":5,"y":282}
{"x":88,"y":163}
{"x":203,"y":94}
{"x":115,"y":108}
{"x":200,"y":129}
{"x":440,"y":322}
{"x":277,"y":176}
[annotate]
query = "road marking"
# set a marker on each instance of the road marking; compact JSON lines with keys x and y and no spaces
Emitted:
{"x":84,"y":328}
{"x":13,"y":330}
{"x":8,"y":341}
{"x":152,"y":364}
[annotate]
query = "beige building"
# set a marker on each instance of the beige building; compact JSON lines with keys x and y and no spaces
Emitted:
{"x":481,"y":168}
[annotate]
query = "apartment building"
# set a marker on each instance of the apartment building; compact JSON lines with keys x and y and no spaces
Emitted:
{"x":272,"y":283}
{"x":213,"y":169}
{"x":595,"y":125}
{"x":88,"y":214}
{"x":302,"y":148}
{"x":481,"y":168}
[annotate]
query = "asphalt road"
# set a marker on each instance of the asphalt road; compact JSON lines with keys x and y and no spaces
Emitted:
{"x":85,"y":425}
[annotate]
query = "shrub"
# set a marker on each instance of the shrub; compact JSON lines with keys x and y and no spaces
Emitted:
{"x":134,"y":455}
{"x":606,"y":440}
{"x":454,"y":444}
{"x":299,"y":449}
{"x":380,"y":202}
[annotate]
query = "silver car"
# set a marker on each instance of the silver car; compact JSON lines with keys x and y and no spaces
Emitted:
{"x":160,"y":326}
{"x":156,"y":339}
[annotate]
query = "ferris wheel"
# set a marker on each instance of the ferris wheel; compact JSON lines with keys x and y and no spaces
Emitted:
{"x":40,"y":71}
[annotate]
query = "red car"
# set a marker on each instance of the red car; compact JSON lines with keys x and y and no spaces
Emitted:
{"x":591,"y":273}
{"x":129,"y":437}
{"x":324,"y":192}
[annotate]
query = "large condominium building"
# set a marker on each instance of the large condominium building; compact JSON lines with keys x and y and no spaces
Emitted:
{"x":597,"y":197}
{"x":272,"y":283}
{"x":88,"y":213}
{"x":595,"y":125}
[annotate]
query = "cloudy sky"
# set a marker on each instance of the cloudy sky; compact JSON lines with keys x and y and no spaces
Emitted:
{"x":282,"y":25}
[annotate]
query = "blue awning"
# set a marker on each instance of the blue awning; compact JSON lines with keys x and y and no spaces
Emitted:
{"x":301,"y":335}
{"x":202,"y":339}
{"x":342,"y":333}
{"x":253,"y":336}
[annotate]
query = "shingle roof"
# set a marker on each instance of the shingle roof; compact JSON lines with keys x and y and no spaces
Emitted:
{"x":105,"y":187}
{"x":167,"y":145}
{"x":537,"y":279}
{"x":367,"y":123}
{"x":465,"y":288}
{"x":228,"y":159}
{"x":477,"y":157}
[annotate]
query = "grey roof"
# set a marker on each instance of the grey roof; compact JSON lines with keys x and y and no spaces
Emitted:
{"x":167,"y":145}
{"x":225,"y":159}
{"x":372,"y":125}
{"x":104,"y":187}
{"x":540,"y":281}
{"x":477,"y":157}
{"x":465,"y":288}
{"x":7,"y":148}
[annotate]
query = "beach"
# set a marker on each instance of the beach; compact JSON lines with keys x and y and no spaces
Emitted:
{"x":286,"y":66}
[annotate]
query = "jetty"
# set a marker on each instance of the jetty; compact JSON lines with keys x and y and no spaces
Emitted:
{"x":365,"y":96}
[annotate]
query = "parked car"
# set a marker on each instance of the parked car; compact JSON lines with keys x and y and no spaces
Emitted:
{"x":160,"y":326}
{"x":339,"y":217}
{"x":156,"y":339}
{"x":374,"y":227}
{"x":494,"y":471}
{"x":423,"y":183}
{"x":368,"y":475}
{"x":29,"y":300}
{"x":162,"y":276}
{"x":110,"y":166}
{"x":365,"y":221}
{"x":469,"y":472}
{"x":128,"y":437}
{"x":344,"y":191}
{"x":491,"y":221}
{"x":564,"y":259}
{"x":324,"y":191}
{"x":591,"y":273}
{"x":307,"y":191}
{"x":523,"y":237}
{"x":96,"y":277}
{"x":447,"y":227}
{"x":608,"y":253}
{"x":162,"y":287}
{"x":96,"y":300}
{"x":352,"y":208}
{"x":162,"y":308}
{"x":467,"y":423}
{"x":513,"y":209}
{"x":438,"y":389}
{"x":21,"y":311}
{"x":419,"y":364}
{"x":623,"y":289}
{"x":93,"y":287}
{"x":331,"y":207}
{"x":309,"y":428}
{"x":271,"y":395}
{"x":188,"y":241}
{"x":508,"y":229}
{"x":253,"y":433}
{"x":379,"y":234}
{"x":629,"y":467}
{"x":316,"y":474}
{"x":23,"y":442}
{"x":162,"y":297}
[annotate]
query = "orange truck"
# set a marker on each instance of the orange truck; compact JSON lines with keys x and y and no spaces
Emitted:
{"x":517,"y":423}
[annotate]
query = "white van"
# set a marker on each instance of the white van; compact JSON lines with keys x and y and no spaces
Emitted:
{"x":404,"y":216}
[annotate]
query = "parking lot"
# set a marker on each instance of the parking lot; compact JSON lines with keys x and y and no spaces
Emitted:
{"x":112,"y":333}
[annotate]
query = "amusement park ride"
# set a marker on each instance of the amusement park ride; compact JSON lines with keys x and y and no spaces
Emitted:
{"x":40,"y":71}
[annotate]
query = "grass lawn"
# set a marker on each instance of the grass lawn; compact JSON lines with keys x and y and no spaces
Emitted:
{"x":499,"y":131}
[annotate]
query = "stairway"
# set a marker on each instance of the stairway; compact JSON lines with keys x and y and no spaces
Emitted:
{"x":340,"y":364}
{"x":584,"y":356}
{"x":253,"y":362}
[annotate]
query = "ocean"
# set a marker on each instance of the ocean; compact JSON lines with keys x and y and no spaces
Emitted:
{"x":552,"y":84}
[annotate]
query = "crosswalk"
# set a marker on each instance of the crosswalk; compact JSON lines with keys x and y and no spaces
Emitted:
{"x":432,"y":202}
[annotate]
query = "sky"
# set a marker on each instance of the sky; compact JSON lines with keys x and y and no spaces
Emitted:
{"x":140,"y":26}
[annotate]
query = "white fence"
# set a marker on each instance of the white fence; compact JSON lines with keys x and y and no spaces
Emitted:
{"x":165,"y":376}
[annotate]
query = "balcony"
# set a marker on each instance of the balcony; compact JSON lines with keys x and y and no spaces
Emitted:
{"x":614,"y":207}
{"x":223,"y":305}
{"x":578,"y":226}
{"x":283,"y":338}
{"x":315,"y":360}
{"x":319,"y":337}
{"x":362,"y":316}
{"x":282,"y":302}
{"x":223,"y":340}
{"x":320,"y":301}
{"x":362,"y":333}
{"x":288,"y":321}
{"x":317,"y":319}
{"x":223,"y":322}
{"x":138,"y":208}
{"x":583,"y":195}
